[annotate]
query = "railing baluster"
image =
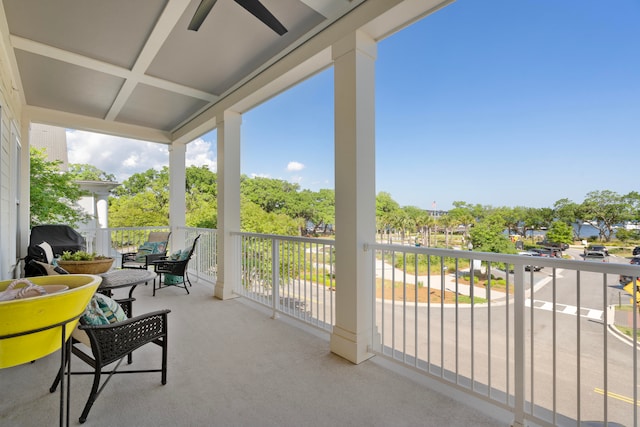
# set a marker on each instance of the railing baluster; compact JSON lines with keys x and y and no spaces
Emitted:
{"x":275,"y":276}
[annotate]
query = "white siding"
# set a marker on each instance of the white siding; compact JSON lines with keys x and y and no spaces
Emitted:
{"x":10,"y":117}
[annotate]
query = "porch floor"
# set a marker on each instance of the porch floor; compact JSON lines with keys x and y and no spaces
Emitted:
{"x":230,"y":364}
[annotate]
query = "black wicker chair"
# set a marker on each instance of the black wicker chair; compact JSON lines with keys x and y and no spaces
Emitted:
{"x":111,"y":343}
{"x":131,"y":259}
{"x":175,"y":268}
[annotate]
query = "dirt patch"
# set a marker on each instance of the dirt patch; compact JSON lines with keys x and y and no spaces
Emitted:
{"x":423,"y":295}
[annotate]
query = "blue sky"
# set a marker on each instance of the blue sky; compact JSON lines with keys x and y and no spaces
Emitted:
{"x":496,"y":102}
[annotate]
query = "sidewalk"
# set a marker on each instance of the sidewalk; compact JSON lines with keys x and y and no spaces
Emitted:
{"x":449,"y":278}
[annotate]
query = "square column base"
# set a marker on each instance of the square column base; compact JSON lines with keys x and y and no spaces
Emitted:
{"x":222,"y":292}
{"x":352,"y":347}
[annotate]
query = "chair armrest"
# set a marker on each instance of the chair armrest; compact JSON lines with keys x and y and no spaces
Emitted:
{"x":170,"y":266}
{"x":129,"y":256}
{"x":155,"y":257}
{"x":114,"y":341}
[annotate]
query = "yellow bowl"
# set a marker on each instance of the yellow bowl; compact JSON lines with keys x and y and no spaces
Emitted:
{"x":23,"y":315}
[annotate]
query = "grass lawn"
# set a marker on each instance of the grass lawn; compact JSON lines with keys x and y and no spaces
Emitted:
{"x":627,"y":330}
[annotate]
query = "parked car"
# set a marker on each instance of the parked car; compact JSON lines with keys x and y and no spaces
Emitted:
{"x":547,"y":252}
{"x":596,"y":248}
{"x":547,"y":244}
{"x":635,"y":260}
{"x":636,"y":250}
{"x":542,"y":252}
{"x":530,"y":267}
{"x":598,"y":256}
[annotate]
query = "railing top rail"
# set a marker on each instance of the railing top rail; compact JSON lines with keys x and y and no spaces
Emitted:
{"x":203,"y":229}
{"x":152,"y":227}
{"x":288,"y":238}
{"x":569,"y":264}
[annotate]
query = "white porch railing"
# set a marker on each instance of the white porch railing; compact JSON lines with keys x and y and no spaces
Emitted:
{"x":541,"y":346}
{"x":291,"y":275}
{"x":115,"y":241}
{"x":544,"y":351}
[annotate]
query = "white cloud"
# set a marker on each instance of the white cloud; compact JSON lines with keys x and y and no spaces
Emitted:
{"x":124,"y":157}
{"x":295,"y":166}
{"x":201,"y":153}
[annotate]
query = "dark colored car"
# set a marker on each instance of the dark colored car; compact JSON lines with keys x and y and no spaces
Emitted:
{"x":545,"y":252}
{"x":548,"y":252}
{"x":636,"y":250}
{"x":635,"y":260}
{"x":547,"y":244}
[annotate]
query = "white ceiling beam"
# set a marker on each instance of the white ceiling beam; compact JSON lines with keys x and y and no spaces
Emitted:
{"x":104,"y":67}
{"x":92,"y":124}
{"x":165,"y":24}
{"x":328,"y":8}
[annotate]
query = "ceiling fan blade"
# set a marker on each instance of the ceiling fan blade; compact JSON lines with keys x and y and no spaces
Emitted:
{"x":258,"y":10}
{"x":201,"y":13}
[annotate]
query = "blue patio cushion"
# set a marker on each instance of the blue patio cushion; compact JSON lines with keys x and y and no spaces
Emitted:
{"x":148,"y":248}
{"x":181,"y":255}
{"x":102,"y":310}
{"x":170,"y":279}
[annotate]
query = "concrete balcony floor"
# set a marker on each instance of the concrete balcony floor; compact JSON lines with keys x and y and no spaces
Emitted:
{"x":230,"y":364}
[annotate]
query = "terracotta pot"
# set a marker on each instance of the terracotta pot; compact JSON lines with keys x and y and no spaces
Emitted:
{"x":87,"y":267}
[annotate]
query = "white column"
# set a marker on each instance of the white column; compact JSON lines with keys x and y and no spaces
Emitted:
{"x":102,"y":209}
{"x":177,"y":202}
{"x":103,"y":240}
{"x":354,"y":88}
{"x":228,"y":203}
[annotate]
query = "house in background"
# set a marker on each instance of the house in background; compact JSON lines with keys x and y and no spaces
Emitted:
{"x":95,"y":202}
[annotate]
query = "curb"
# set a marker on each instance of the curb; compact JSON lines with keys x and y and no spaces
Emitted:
{"x":614,"y":330}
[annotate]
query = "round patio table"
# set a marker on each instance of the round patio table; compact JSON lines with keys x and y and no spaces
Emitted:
{"x":116,"y":279}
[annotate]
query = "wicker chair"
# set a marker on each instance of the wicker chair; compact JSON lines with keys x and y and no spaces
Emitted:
{"x":111,"y":343}
{"x":175,"y":268}
{"x":132,"y":260}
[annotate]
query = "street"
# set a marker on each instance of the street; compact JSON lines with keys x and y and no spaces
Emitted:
{"x":469,"y":343}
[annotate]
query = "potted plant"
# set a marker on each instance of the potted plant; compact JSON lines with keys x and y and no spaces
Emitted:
{"x":82,"y":262}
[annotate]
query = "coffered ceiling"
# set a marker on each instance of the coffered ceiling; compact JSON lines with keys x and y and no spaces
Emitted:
{"x":132,"y":67}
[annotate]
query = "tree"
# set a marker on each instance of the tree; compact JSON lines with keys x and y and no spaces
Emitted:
{"x":386,"y":209}
{"x":256,"y":220}
{"x":514,"y":218}
{"x":570,"y":213}
{"x":424,"y":223}
{"x":140,"y":210}
{"x":560,"y":232}
{"x":604,"y":209}
{"x":53,"y":193}
{"x":488,"y":236}
{"x":141,"y":200}
{"x":536,"y":219}
{"x":317,"y":208}
{"x":272,"y":195}
{"x":84,"y":172}
{"x":463,"y":216}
